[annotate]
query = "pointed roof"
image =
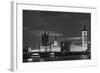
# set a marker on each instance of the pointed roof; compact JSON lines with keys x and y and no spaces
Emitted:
{"x":84,"y":27}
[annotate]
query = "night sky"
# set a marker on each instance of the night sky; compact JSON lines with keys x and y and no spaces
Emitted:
{"x":62,"y":24}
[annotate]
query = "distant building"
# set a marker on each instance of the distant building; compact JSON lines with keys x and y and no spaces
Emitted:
{"x":76,"y":48}
{"x":54,"y":46}
{"x":75,"y":44}
{"x":55,"y":42}
{"x":45,"y":39}
{"x":65,"y":45}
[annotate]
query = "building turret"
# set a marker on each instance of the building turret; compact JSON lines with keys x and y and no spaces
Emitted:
{"x":45,"y":39}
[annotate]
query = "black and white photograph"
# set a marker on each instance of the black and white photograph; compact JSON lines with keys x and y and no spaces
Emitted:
{"x":50,"y":36}
{"x":55,"y":36}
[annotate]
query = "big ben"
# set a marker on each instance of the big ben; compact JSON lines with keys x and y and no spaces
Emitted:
{"x":84,"y":38}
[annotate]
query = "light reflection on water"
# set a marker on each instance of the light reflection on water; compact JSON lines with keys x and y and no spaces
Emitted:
{"x":38,"y":59}
{"x":84,"y":56}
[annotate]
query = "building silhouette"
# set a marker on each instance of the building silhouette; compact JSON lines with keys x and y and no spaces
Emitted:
{"x":45,"y":39}
{"x":65,"y":45}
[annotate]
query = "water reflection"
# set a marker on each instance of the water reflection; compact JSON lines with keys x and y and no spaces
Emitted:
{"x":57,"y":58}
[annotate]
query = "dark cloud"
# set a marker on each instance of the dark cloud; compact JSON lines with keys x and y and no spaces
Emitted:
{"x":66,"y":24}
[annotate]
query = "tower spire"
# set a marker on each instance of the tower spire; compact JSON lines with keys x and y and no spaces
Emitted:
{"x":84,"y":27}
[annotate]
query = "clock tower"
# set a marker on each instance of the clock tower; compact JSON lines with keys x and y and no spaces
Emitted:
{"x":84,"y":38}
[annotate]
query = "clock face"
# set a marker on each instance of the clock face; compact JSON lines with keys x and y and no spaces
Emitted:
{"x":84,"y":33}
